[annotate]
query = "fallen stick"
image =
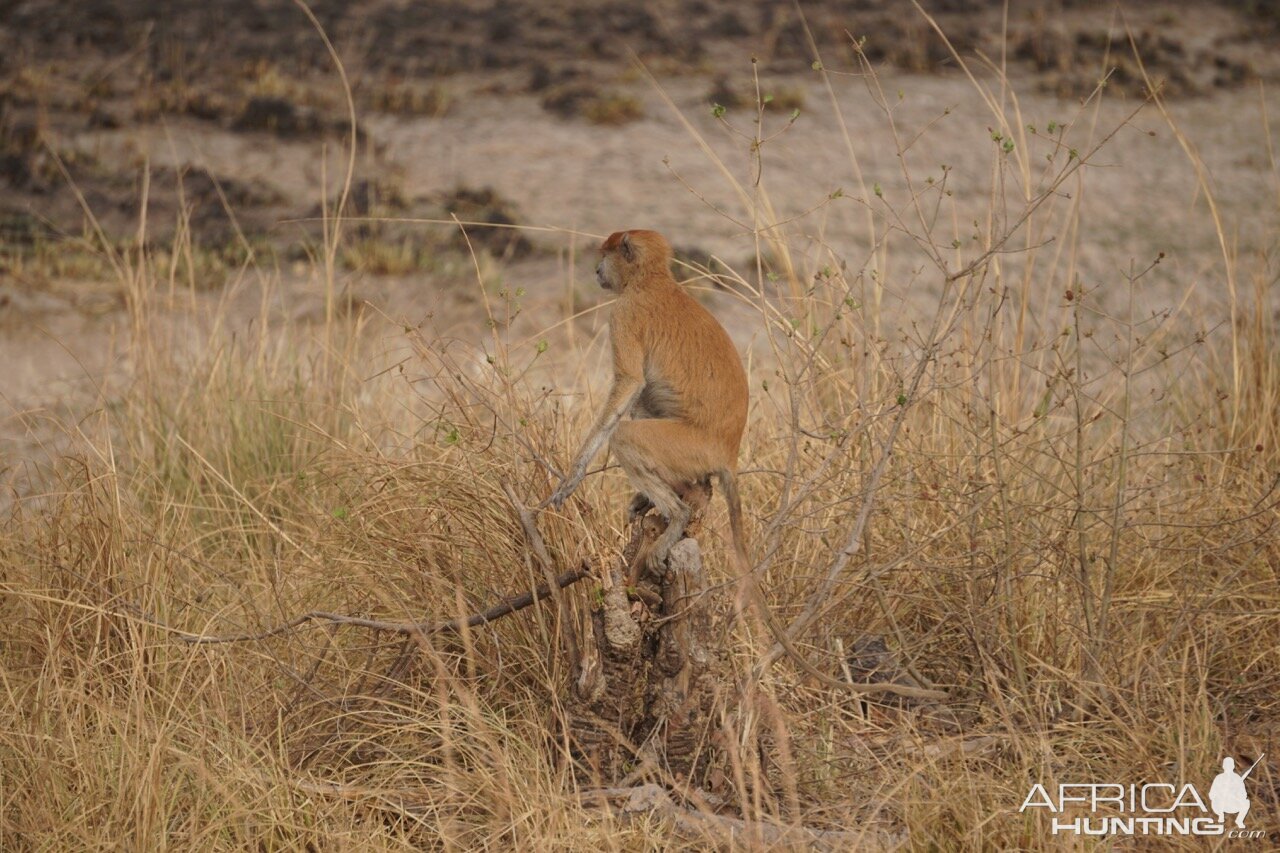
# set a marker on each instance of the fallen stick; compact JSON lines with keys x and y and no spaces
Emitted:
{"x":497,"y":611}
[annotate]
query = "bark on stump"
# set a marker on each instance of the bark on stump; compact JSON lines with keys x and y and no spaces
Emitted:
{"x":651,"y":674}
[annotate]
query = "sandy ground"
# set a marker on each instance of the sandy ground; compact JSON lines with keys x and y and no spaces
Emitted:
{"x":1141,"y":197}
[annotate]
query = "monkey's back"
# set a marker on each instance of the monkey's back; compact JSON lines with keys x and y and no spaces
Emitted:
{"x":693,"y":372}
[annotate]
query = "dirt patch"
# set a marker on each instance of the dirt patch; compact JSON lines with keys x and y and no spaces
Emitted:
{"x":1075,"y":63}
{"x":261,"y":70}
{"x":486,"y":206}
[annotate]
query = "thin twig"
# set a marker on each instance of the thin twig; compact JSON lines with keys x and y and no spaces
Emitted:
{"x":492,"y":614}
{"x":544,"y":560}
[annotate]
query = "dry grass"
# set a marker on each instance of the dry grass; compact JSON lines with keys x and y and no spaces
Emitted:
{"x":1056,"y":500}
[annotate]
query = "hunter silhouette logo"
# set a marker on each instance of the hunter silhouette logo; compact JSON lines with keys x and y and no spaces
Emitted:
{"x":1227,"y":794}
{"x":1149,"y":808}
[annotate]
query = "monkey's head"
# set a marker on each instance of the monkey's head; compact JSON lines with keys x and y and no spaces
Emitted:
{"x":628,"y":257}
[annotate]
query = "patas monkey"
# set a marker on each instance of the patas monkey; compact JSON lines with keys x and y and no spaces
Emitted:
{"x":677,"y":374}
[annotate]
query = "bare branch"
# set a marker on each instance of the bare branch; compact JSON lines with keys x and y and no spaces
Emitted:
{"x":492,"y":614}
{"x":544,"y":561}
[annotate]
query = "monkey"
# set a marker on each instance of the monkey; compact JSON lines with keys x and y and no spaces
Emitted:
{"x":678,"y":376}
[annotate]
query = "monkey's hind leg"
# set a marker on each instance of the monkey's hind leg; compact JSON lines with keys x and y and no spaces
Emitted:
{"x":677,"y":514}
{"x":640,"y":504}
{"x":661,"y":456}
{"x":696,"y":494}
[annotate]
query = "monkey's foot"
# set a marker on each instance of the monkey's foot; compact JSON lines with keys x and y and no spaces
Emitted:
{"x":656,"y":559}
{"x":640,"y":504}
{"x":558,"y":497}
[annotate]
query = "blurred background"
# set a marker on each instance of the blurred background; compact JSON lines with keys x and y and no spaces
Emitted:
{"x":230,"y":120}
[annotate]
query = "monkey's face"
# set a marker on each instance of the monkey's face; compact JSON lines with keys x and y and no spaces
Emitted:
{"x":618,"y":256}
{"x":606,"y":274}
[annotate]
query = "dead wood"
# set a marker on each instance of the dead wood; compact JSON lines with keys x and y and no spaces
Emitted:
{"x":492,"y":614}
{"x":648,"y":687}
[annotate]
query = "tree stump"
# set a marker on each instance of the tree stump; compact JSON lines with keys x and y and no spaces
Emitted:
{"x":648,"y":686}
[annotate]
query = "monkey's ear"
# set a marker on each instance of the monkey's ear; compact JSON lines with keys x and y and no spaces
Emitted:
{"x":628,"y":250}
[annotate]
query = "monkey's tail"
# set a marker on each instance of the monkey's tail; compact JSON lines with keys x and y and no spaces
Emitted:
{"x":729,"y":486}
